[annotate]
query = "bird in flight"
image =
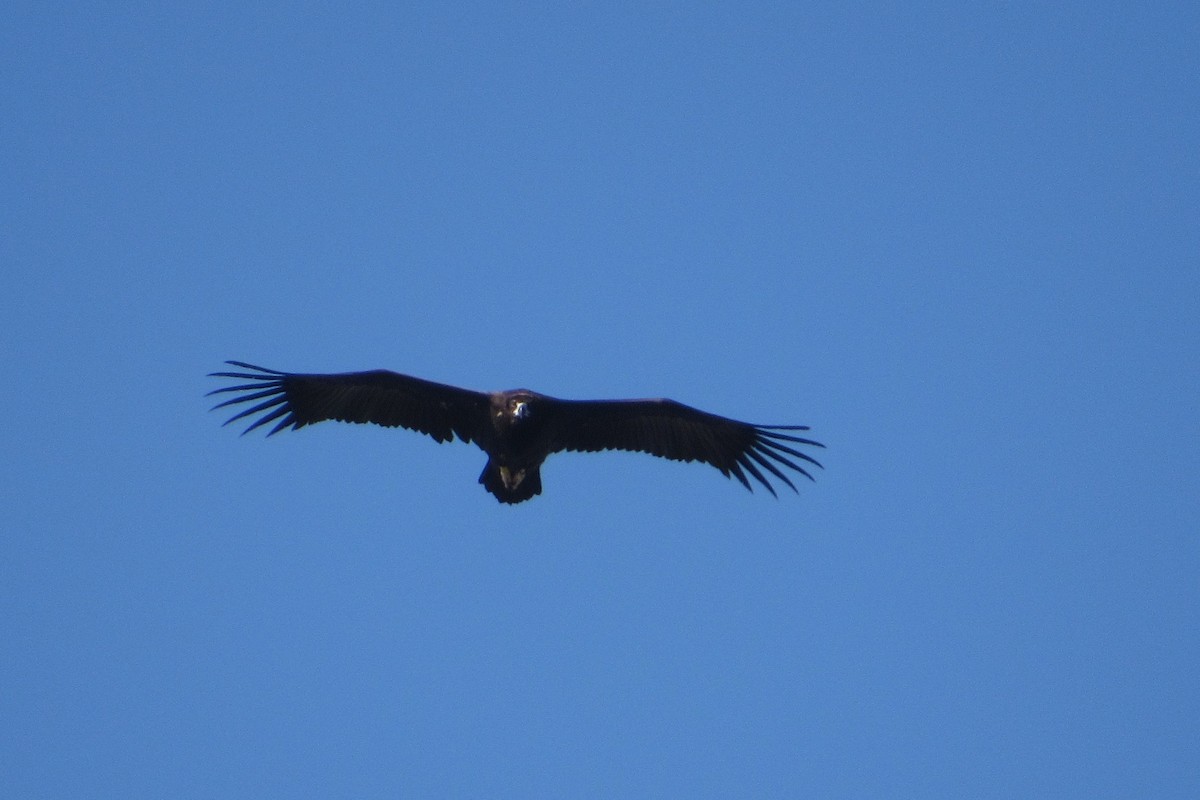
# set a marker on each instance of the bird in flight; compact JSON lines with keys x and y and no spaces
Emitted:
{"x":518,"y":429}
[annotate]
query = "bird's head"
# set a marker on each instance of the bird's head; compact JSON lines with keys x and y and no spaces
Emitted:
{"x":512,"y":408}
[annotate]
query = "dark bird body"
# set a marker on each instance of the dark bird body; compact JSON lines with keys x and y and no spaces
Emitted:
{"x":518,"y":429}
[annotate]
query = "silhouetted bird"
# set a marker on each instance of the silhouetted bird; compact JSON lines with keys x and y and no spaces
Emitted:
{"x":518,"y":429}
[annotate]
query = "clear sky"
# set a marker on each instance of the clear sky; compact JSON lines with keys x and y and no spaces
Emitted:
{"x":962,"y":241}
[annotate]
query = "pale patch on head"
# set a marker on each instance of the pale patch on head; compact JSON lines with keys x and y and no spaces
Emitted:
{"x":511,"y":478}
{"x":521,"y":409}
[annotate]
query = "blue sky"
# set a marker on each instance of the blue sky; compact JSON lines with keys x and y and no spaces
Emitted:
{"x":960,"y":241}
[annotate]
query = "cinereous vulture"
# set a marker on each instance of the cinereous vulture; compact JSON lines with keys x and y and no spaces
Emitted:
{"x":518,"y":429}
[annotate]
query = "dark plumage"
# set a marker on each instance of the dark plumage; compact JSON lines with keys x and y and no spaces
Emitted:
{"x":518,"y":429}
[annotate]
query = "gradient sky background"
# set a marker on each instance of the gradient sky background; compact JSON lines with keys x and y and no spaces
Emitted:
{"x":962,"y":241}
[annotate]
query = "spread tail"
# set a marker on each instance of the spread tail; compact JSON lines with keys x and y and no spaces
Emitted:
{"x":511,"y":484}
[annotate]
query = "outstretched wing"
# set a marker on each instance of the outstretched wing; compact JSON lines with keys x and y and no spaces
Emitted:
{"x":380,"y":397}
{"x":672,"y":430}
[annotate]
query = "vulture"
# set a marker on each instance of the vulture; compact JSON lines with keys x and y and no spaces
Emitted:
{"x":518,"y":429}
